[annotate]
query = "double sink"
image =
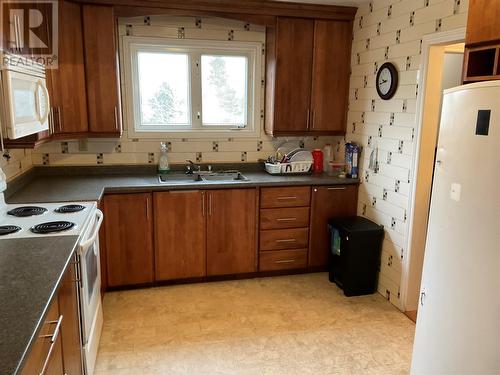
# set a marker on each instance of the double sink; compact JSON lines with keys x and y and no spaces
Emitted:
{"x":202,"y":177}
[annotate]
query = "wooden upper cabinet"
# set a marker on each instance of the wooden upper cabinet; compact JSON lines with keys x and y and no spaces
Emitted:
{"x":128,"y":228}
{"x":180,"y":234}
{"x":66,"y":84}
{"x":482,"y":22}
{"x":101,"y":70}
{"x":308,"y":68}
{"x":231,"y":231}
{"x":328,"y":202}
{"x":292,"y":95}
{"x":330,"y":77}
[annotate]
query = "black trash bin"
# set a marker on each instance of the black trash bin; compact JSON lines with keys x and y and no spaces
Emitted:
{"x":354,"y":256}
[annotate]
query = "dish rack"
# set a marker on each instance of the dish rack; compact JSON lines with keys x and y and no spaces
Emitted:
{"x":294,"y":167}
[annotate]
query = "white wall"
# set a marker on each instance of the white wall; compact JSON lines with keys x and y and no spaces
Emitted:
{"x":389,"y":30}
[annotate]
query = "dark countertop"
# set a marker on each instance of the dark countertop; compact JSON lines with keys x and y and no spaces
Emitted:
{"x":30,"y":272}
{"x":62,"y":184}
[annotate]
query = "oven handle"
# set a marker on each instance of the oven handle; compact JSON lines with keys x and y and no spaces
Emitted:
{"x":91,"y":240}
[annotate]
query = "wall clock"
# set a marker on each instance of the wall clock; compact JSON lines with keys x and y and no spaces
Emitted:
{"x":387,"y":81}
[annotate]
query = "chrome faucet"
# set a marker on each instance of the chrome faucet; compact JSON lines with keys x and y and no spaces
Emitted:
{"x":190,"y":168}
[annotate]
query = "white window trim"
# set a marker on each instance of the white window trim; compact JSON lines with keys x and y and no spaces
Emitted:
{"x":251,"y":49}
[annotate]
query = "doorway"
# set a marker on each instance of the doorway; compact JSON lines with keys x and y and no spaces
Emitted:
{"x":442,"y":58}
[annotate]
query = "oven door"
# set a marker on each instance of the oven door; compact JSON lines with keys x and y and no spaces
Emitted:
{"x":26,"y":104}
{"x":90,"y":293}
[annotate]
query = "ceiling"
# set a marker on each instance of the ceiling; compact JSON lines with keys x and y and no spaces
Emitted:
{"x":330,"y":2}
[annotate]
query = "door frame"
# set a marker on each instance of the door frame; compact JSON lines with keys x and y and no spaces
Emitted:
{"x":428,"y":41}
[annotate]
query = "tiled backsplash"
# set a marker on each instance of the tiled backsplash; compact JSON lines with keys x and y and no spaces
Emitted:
{"x":130,"y":151}
{"x":16,"y":162}
{"x":391,"y":30}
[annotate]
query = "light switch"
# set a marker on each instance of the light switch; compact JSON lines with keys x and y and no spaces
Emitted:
{"x":455,"y":191}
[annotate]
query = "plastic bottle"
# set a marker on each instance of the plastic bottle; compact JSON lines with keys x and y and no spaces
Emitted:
{"x":317,"y":160}
{"x":327,"y":156}
{"x":163,"y":166}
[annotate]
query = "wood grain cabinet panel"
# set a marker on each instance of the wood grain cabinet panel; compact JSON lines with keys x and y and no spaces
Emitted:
{"x":231,"y":231}
{"x":294,"y":38}
{"x":67,"y":296}
{"x":328,"y":202}
{"x":330,"y":76}
{"x":66,"y":84}
{"x":46,"y":352}
{"x":282,"y":260}
{"x":280,"y":218}
{"x":128,"y":229}
{"x":482,"y":22}
{"x":276,"y":197}
{"x":101,"y":70}
{"x":278,"y":239}
{"x":180,"y":234}
{"x":308,"y":68}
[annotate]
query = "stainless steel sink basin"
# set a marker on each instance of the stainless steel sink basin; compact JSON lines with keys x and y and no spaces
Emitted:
{"x":179,"y":178}
{"x":224,"y":176}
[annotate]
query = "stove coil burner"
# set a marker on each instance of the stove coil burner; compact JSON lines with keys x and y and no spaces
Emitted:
{"x":25,"y":211}
{"x":8,"y":229}
{"x":69,"y":208}
{"x":52,"y":227}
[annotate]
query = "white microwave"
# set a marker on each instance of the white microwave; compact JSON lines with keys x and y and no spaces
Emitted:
{"x":25,"y":103}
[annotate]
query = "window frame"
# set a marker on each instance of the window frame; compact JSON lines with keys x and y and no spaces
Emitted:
{"x":195,"y":48}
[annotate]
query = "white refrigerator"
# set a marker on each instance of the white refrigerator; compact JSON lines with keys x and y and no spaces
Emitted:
{"x":458,"y":324}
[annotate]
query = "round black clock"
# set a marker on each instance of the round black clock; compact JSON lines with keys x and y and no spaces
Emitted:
{"x":387,"y":81}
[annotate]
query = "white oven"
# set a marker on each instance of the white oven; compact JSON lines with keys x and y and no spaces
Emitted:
{"x":25,"y":103}
{"x":90,"y":291}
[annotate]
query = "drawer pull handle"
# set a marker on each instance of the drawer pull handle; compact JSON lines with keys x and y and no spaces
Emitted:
{"x":284,"y":261}
{"x":286,"y":240}
{"x":53,"y":338}
{"x":286,"y":219}
{"x":286,"y":198}
{"x":336,"y":188}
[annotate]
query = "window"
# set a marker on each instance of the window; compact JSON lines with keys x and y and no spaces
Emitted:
{"x":192,"y":86}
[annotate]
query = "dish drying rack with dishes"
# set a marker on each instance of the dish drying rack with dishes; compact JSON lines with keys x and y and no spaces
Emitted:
{"x":289,"y":161}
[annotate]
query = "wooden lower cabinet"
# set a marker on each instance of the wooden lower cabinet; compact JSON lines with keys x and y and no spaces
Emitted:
{"x":58,"y":349}
{"x":180,"y":234}
{"x":328,"y":202}
{"x":46,"y":353}
{"x":231,"y":231}
{"x":282,"y":260}
{"x":67,"y":297}
{"x":128,"y":227}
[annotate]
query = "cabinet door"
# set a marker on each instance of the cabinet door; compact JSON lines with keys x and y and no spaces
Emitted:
{"x":180,"y":234}
{"x":294,"y":38}
{"x":330,"y":77}
{"x":482,"y":21}
{"x":67,"y":83}
{"x":46,"y":354}
{"x":101,"y":70}
{"x":129,"y":229}
{"x":70,"y":330}
{"x":231,"y":231}
{"x":328,"y":202}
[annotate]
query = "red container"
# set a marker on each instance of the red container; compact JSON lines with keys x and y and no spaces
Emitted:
{"x":317,"y":160}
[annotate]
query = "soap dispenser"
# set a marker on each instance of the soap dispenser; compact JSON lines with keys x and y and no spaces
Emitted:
{"x":163,"y":166}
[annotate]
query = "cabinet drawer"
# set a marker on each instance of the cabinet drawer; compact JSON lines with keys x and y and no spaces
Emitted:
{"x":278,"y":239}
{"x":296,"y":196}
{"x":279,"y":218}
{"x":282,"y":260}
